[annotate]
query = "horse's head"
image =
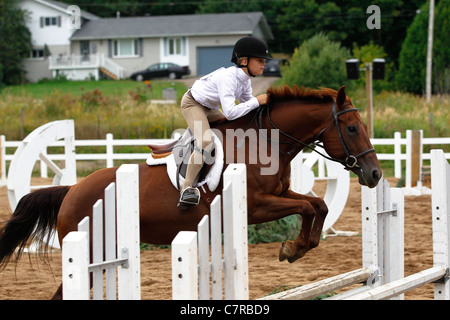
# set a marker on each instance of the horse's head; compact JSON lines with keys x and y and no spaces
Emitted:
{"x":346,"y":140}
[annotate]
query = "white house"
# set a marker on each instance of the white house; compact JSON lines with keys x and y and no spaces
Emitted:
{"x":119,"y":46}
{"x":48,"y":22}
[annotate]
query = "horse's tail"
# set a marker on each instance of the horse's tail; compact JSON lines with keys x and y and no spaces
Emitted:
{"x":33,"y":220}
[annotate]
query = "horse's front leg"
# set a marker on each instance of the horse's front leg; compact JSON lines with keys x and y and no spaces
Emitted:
{"x":270,"y":207}
{"x":311,"y":231}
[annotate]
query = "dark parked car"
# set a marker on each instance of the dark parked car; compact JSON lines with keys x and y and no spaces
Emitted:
{"x":273,"y":69}
{"x":161,"y":70}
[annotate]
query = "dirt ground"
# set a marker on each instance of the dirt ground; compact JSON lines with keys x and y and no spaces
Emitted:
{"x":32,"y":279}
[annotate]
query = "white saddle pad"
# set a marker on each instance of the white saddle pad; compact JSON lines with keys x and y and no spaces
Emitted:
{"x":212,"y":178}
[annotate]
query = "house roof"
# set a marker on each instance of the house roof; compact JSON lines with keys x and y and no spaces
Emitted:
{"x":179,"y":25}
{"x":61,"y":6}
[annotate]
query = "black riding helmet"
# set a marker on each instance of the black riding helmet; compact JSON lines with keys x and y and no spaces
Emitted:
{"x":248,"y":47}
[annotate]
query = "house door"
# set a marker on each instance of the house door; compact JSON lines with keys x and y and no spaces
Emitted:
{"x":212,"y":58}
{"x":84,"y":50}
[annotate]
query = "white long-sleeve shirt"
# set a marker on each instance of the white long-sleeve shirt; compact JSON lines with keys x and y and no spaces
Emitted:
{"x":223,"y":87}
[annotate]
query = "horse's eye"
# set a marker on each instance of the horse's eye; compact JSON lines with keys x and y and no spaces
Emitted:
{"x":352,"y":130}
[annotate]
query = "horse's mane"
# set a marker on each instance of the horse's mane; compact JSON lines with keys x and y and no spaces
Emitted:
{"x":286,"y":93}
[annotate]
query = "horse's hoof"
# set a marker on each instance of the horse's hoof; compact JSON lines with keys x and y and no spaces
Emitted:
{"x":291,"y":252}
{"x":294,"y":258}
{"x":286,"y":251}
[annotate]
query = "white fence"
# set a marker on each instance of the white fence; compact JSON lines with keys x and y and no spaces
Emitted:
{"x":110,"y":156}
{"x":191,"y":267}
{"x":126,"y":258}
{"x":383,"y":246}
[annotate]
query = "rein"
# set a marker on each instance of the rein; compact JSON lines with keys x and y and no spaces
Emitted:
{"x":350,"y":162}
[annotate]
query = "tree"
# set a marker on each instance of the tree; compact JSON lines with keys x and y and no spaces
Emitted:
{"x":15,"y":42}
{"x":133,"y":8}
{"x":412,"y":60}
{"x":319,"y":62}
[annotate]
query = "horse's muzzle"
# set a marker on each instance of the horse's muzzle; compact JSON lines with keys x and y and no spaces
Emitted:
{"x":368,"y":176}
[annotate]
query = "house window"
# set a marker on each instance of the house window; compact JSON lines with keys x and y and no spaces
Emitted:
{"x":50,"y":21}
{"x":126,"y":48}
{"x":37,"y":54}
{"x":175,"y":46}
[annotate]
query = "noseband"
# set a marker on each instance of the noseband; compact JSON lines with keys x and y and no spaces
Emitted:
{"x":350,"y":162}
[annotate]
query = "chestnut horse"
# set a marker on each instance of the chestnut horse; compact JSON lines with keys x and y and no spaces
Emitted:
{"x":299,"y":116}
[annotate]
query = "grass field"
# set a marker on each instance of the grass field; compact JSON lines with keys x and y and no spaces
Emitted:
{"x":124,"y":108}
{"x":98,"y":107}
{"x":108,"y":88}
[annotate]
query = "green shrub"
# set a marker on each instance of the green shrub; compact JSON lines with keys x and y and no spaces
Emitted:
{"x":318,"y":62}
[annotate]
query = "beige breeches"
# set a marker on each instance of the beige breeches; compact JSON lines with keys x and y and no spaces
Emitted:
{"x":198,"y":118}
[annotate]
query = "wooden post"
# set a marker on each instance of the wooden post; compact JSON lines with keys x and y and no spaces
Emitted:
{"x":369,"y":99}
{"x":429,"y":52}
{"x":413,"y":158}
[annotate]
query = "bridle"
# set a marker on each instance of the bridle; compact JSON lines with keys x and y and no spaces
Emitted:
{"x":350,"y":162}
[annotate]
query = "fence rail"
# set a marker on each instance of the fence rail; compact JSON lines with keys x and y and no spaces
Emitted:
{"x":109,"y":156}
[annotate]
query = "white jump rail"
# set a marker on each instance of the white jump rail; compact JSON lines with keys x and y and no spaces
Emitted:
{"x":191,"y":267}
{"x":76,"y":249}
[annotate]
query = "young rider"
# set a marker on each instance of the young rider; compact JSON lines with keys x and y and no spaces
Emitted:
{"x":200,"y":105}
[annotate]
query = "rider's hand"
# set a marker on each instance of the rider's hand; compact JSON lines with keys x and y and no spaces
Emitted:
{"x":262,"y":99}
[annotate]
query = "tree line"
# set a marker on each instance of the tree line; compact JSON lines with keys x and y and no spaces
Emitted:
{"x":400,"y":38}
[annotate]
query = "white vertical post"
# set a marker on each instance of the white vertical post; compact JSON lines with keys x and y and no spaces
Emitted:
{"x":440,"y":202}
{"x":370,"y":232}
{"x":109,"y":150}
{"x":395,"y":254}
{"x":235,"y":232}
{"x":97,"y":249}
{"x":69,"y":155}
{"x":380,"y":229}
{"x":408,"y":173}
{"x":203,"y":258}
{"x":127,"y":178}
{"x":110,"y":239}
{"x":398,"y":155}
{"x":216,"y":248}
{"x":184,"y":266}
{"x":75,"y":257}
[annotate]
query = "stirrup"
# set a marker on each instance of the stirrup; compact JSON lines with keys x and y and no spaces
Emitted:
{"x":189,"y":197}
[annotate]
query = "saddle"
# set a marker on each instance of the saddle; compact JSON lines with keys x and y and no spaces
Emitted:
{"x":175,"y":156}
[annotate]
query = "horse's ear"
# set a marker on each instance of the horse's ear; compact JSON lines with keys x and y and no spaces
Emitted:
{"x":341,"y":96}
